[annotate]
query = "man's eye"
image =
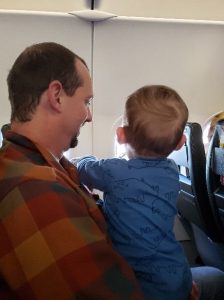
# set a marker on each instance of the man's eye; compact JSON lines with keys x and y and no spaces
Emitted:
{"x":88,"y":102}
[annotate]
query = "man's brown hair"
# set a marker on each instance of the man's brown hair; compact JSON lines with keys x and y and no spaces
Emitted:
{"x":32,"y":73}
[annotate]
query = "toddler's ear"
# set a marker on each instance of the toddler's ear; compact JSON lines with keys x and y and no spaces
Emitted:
{"x":121,"y":138}
{"x":181,"y":142}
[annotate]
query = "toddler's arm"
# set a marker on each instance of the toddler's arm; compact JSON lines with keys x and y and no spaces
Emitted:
{"x":91,"y":172}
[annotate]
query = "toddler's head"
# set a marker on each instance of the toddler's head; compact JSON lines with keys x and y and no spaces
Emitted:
{"x":154,"y":121}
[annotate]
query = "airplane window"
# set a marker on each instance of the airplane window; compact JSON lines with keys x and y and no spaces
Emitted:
{"x":67,"y":154}
{"x":119,"y":150}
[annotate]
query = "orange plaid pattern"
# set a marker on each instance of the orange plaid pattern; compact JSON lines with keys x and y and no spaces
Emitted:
{"x":53,"y":243}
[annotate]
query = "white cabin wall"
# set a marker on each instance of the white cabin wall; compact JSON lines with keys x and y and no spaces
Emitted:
{"x":45,"y":5}
{"x":178,"y":9}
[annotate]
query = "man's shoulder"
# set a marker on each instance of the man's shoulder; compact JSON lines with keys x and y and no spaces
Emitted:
{"x":19,"y":168}
{"x":21,"y":165}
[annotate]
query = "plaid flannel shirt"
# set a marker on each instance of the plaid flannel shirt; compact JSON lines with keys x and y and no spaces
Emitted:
{"x":52,"y":235}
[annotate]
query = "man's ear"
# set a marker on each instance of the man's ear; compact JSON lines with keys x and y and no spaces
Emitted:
{"x":181,"y":142}
{"x":121,"y":138}
{"x":54,"y":93}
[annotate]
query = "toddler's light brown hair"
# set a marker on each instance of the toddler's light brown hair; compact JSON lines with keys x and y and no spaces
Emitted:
{"x":156,"y":116}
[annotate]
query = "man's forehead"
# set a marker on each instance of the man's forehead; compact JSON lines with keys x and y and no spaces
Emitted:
{"x":85,"y":76}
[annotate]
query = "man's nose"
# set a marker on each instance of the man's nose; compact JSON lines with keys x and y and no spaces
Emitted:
{"x":89,"y":116}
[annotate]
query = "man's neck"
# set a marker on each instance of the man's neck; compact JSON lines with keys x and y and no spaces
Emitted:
{"x":38,"y":136}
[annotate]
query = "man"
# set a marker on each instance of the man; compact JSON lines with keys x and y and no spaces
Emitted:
{"x":53,"y":243}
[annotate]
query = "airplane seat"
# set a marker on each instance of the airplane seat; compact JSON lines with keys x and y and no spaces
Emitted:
{"x":215,"y":179}
{"x":193,"y":202}
{"x":215,"y":169}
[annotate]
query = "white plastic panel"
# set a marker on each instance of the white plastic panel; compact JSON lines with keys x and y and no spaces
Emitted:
{"x":46,"y":5}
{"x":180,"y":9}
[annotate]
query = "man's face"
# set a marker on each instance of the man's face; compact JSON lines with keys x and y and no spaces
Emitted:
{"x":77,"y":110}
